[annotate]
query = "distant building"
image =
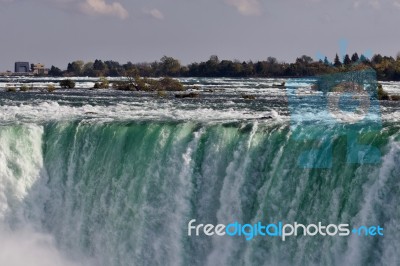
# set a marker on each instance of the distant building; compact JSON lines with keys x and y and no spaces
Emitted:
{"x":21,"y":67}
{"x":39,"y":69}
{"x":7,"y":73}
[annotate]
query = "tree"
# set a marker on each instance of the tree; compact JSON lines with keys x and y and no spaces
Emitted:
{"x":67,"y":84}
{"x":193,"y":69}
{"x":75,"y":67}
{"x":99,"y":65}
{"x":212,"y":66}
{"x":355,"y":58}
{"x":128,"y":66}
{"x":88,"y":69}
{"x":363,"y":59}
{"x":114,"y":69}
{"x":226,"y":68}
{"x":248,"y":69}
{"x":337,"y":62}
{"x":326,"y":61}
{"x":304,"y":59}
{"x":55,"y":72}
{"x":214,"y":58}
{"x":272,"y":60}
{"x":237,"y":68}
{"x":100,"y":68}
{"x":273,"y":66}
{"x":170,"y":66}
{"x":261,"y":68}
{"x":347,"y":60}
{"x":377,"y":59}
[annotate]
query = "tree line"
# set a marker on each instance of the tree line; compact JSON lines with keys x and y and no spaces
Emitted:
{"x":387,"y":68}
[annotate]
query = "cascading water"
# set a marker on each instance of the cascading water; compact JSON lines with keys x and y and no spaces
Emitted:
{"x":111,"y":179}
{"x":115,"y":193}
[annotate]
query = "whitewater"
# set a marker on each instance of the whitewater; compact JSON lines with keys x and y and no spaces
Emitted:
{"x":112,"y":178}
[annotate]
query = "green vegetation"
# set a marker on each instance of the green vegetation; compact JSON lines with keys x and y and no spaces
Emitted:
{"x":102,"y":84}
{"x":55,"y":72}
{"x":337,"y":62}
{"x":24,"y":88}
{"x":382,"y":95}
{"x":137,"y":83}
{"x":67,"y":84}
{"x":11,"y":89}
{"x":142,"y":76}
{"x":169,"y":84}
{"x":387,"y":68}
{"x":51,"y":88}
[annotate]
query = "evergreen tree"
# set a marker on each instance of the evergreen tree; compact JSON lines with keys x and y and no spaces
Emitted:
{"x":55,"y":72}
{"x":355,"y":58}
{"x":337,"y":62}
{"x":326,"y":61}
{"x":99,"y":65}
{"x":347,"y":60}
{"x":363,"y":58}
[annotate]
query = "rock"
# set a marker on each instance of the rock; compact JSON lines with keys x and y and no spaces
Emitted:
{"x":248,"y":97}
{"x":188,"y":95}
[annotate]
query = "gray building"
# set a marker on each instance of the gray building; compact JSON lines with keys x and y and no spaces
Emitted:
{"x":21,"y":67}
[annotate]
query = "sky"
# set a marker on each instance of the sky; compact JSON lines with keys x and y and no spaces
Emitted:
{"x":55,"y":32}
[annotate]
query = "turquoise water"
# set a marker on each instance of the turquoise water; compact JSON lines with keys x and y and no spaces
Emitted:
{"x":79,"y":188}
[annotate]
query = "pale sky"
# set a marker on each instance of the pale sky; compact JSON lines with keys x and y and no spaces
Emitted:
{"x":56,"y":32}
